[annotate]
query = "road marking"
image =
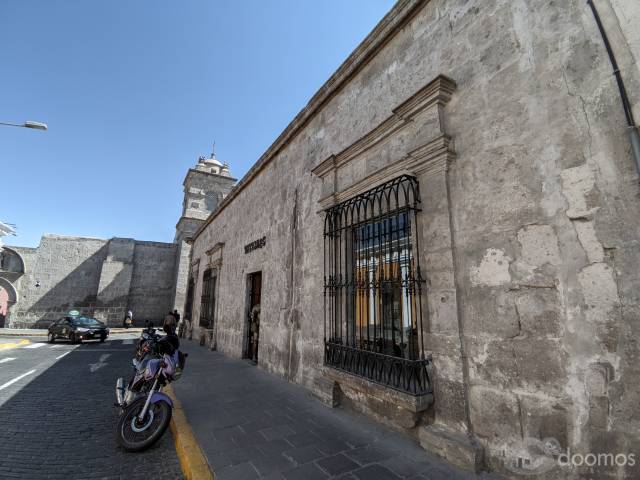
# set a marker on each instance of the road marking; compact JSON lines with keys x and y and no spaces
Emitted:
{"x":60,"y":356}
{"x":127,"y":342}
{"x":35,"y":345}
{"x":8,"y":359}
{"x":5,"y":346}
{"x":59,"y":345}
{"x":11,"y":382}
{"x":101,"y":362}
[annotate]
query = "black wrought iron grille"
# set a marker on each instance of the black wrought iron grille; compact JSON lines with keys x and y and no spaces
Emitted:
{"x":373,"y":287}
{"x":207,"y":299}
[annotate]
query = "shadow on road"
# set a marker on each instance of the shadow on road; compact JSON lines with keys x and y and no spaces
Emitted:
{"x":61,"y":424}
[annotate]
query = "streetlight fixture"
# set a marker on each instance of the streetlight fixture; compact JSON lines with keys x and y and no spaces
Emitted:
{"x":28,"y":124}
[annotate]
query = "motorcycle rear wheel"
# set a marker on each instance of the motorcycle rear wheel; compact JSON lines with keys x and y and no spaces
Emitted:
{"x":135,"y":436}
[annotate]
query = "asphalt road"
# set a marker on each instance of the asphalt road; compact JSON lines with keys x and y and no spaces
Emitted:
{"x":57,"y":417}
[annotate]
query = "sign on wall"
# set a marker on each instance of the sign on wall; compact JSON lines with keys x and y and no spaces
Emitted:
{"x":260,"y":243}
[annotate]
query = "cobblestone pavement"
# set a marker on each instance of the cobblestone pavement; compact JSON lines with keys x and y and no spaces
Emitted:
{"x":251,"y":424}
{"x":57,"y":421}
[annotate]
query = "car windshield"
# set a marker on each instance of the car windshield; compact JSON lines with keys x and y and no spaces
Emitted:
{"x":86,"y":322}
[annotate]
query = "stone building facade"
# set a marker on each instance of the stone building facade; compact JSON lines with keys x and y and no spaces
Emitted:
{"x":101,"y":278}
{"x":106,"y":278}
{"x":451,"y":243}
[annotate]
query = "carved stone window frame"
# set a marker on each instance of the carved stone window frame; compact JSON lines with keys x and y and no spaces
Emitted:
{"x":411,"y":141}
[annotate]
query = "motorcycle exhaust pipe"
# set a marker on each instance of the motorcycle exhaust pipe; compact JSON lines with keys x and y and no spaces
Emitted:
{"x":120,"y":391}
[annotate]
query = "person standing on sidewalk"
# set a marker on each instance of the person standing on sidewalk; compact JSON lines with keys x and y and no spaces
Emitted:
{"x":176,"y":315}
{"x":169,"y":324}
{"x":128,"y":319}
{"x":186,"y":331}
{"x":255,"y":332}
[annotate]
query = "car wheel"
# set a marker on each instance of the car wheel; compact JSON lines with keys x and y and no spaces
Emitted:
{"x":51,"y":337}
{"x":102,"y":339}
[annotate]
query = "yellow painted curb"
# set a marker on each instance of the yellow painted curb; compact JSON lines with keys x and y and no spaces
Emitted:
{"x":21,"y":343}
{"x":194,"y":464}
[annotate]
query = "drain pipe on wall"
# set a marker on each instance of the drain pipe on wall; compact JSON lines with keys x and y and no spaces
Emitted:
{"x":634,"y":135}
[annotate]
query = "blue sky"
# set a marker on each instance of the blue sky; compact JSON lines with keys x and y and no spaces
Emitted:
{"x":134,"y":90}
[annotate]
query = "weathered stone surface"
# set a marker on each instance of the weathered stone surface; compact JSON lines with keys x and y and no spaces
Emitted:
{"x":527,"y":237}
{"x":394,"y":408}
{"x":454,"y":447}
{"x":102,"y":278}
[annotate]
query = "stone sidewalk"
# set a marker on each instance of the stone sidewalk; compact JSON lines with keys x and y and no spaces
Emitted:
{"x":251,"y":424}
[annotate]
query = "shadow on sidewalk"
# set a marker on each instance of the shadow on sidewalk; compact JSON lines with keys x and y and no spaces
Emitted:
{"x":252,"y":424}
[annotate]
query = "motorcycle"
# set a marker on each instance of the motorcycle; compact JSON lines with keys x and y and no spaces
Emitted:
{"x":146,"y":410}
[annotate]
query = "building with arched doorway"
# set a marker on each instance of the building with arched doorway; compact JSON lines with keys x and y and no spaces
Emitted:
{"x":11,"y":271}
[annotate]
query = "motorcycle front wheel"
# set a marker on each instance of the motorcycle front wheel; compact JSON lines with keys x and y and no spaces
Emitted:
{"x":134,"y":435}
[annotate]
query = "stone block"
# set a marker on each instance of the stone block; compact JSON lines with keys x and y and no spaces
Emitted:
{"x":548,"y":418}
{"x":494,"y":413}
{"x":327,"y":391}
{"x":443,"y":314}
{"x":539,"y":312}
{"x":530,"y":363}
{"x":392,"y":407}
{"x":455,"y":447}
{"x":449,"y":401}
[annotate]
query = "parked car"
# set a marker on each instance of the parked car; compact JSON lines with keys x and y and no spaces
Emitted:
{"x":77,"y":329}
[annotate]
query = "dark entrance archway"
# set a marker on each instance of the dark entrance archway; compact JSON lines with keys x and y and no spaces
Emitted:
{"x":253,"y":317}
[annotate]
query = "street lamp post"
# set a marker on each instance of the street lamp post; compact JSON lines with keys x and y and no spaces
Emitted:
{"x":27,"y":124}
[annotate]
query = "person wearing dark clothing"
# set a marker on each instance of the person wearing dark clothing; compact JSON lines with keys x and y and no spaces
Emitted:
{"x":169,"y":324}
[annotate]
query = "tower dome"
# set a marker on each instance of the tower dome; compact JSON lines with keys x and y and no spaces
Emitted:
{"x":212,"y":160}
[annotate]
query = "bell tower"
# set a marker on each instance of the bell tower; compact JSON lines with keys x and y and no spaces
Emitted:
{"x":205,"y":186}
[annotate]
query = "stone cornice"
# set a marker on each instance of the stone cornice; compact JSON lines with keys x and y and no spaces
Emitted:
{"x":218,"y":246}
{"x":193,"y":170}
{"x":429,"y":158}
{"x":184,"y":218}
{"x":437,"y":92}
{"x":386,"y":29}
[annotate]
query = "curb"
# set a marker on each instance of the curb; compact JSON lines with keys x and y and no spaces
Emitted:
{"x":22,"y":334}
{"x":192,"y":461}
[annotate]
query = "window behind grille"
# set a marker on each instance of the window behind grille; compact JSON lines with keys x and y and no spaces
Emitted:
{"x":373,"y":320}
{"x":207,"y":300}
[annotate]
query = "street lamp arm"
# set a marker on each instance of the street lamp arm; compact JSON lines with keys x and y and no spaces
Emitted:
{"x":27,"y":124}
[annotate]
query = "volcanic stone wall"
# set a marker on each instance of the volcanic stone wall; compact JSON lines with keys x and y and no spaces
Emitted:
{"x":102,"y":278}
{"x":528,"y":232}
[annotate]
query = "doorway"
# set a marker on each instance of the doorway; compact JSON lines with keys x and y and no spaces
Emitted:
{"x":253,"y":316}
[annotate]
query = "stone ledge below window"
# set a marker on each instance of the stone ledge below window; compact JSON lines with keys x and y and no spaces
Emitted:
{"x":394,"y":408}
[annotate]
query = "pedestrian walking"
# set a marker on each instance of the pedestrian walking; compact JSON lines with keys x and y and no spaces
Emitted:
{"x":128,"y":319}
